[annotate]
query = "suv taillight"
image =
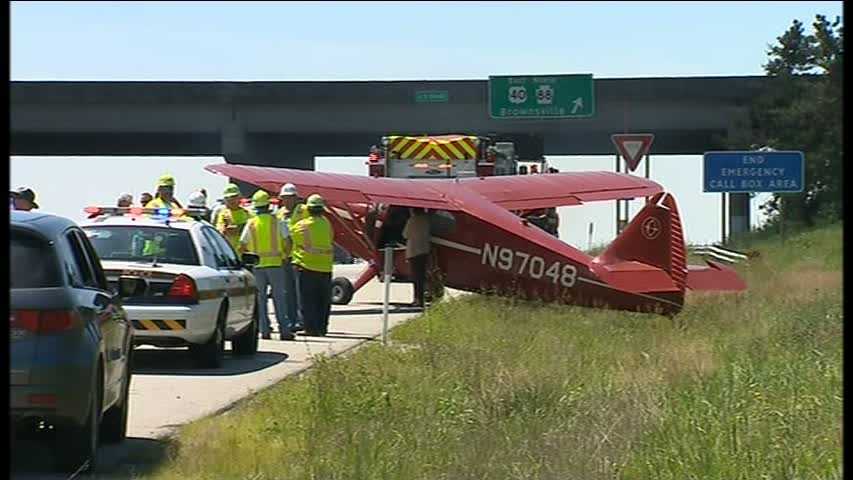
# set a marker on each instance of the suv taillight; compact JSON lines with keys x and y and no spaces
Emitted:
{"x":41,"y":322}
{"x":183,"y":287}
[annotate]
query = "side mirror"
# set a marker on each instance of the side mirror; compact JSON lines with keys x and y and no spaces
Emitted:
{"x":250,"y":260}
{"x":131,"y":286}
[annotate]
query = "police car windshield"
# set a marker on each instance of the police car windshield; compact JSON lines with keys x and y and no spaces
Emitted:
{"x":143,"y":244}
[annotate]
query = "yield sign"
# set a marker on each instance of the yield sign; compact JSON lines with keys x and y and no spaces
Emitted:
{"x":632,"y":146}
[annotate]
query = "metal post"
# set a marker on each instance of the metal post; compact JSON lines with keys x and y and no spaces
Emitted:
{"x":389,"y":255}
{"x":618,"y":202}
{"x":589,"y":237}
{"x":723,"y":218}
{"x":648,"y":172}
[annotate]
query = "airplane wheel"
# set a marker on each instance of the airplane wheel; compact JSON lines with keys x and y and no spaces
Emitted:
{"x":342,"y":291}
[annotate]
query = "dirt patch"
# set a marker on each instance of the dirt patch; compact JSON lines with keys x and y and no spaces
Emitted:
{"x":803,"y":284}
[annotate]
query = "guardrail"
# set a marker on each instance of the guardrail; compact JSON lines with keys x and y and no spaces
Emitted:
{"x":720,"y":253}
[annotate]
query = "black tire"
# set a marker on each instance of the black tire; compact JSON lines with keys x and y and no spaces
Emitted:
{"x":114,"y":424}
{"x":247,"y":342}
{"x":209,"y":354}
{"x":342,"y":291}
{"x":79,"y":444}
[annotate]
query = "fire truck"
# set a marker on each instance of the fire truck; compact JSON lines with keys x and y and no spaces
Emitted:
{"x":425,"y":157}
{"x":441,"y":156}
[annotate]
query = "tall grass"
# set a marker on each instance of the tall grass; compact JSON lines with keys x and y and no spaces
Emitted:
{"x":737,"y":386}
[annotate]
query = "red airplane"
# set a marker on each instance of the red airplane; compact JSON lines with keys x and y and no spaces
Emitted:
{"x":481,"y":246}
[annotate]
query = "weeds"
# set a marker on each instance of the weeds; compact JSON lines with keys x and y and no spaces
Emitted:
{"x":741,"y":386}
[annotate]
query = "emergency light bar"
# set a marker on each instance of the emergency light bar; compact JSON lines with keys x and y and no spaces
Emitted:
{"x":135,"y":211}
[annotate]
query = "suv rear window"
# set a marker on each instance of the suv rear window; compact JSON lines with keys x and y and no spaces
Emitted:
{"x":33,"y":262}
{"x":142,"y":244}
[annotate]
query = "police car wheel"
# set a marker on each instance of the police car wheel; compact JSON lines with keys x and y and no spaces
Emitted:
{"x":209,"y":354}
{"x":246,"y":343}
{"x":342,"y":291}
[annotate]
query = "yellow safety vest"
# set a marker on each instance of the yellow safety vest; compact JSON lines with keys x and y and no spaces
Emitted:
{"x":238,"y":216}
{"x":265,"y":240}
{"x":292,"y":217}
{"x":313,"y":247}
{"x":153,"y":248}
{"x":160,"y":203}
{"x":299,"y":212}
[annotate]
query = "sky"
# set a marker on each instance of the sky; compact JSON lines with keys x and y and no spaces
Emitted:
{"x":269,"y":41}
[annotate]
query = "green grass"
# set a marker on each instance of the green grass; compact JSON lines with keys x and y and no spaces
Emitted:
{"x":736,"y":387}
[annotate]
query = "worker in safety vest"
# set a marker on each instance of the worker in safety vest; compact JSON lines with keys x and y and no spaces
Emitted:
{"x":268,"y":238}
{"x":291,"y":210}
{"x":231,"y":218}
{"x":165,"y":197}
{"x":313,"y":254}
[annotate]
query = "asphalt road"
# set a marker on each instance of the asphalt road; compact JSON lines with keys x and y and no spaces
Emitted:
{"x":167,"y":391}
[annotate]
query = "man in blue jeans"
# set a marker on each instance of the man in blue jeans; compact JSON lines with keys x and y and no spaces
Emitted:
{"x":268,"y":238}
{"x":290,"y":211}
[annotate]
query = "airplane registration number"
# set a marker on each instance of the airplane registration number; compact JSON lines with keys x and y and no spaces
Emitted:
{"x":528,"y":265}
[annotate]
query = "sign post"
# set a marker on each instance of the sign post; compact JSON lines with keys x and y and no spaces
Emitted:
{"x":632,"y":147}
{"x":541,"y":96}
{"x":767,"y":171}
{"x":389,"y":255}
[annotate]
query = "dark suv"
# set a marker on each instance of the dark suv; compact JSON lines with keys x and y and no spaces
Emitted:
{"x":70,"y":341}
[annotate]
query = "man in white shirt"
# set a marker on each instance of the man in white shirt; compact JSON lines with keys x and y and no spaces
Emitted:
{"x":417,"y":235}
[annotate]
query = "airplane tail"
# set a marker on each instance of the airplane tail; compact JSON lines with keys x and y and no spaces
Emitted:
{"x":654,"y":237}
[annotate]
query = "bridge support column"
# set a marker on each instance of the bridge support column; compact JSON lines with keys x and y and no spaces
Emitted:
{"x":267,"y":150}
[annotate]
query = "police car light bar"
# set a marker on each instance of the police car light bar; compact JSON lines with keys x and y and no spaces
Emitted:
{"x":158,"y":212}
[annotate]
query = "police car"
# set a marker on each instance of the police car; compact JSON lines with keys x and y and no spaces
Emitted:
{"x":197,"y":291}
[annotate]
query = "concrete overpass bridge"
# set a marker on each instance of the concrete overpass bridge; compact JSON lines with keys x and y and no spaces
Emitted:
{"x":289,"y":123}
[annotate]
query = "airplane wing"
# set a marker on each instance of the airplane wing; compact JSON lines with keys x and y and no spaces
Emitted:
{"x":516,"y":192}
{"x":524,"y":192}
{"x":336,"y":187}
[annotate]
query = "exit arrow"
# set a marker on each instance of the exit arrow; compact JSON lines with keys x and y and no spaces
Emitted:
{"x":577,"y":104}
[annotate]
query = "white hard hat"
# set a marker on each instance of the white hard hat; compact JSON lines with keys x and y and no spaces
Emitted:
{"x":288,"y":189}
{"x":197,"y":200}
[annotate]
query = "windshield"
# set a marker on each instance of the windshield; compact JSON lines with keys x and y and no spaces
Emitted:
{"x":33,"y":262}
{"x":143,"y":244}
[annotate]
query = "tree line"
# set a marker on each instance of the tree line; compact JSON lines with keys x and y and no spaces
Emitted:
{"x":802,"y":110}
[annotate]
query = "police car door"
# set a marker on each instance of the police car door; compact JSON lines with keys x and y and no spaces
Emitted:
{"x":241,"y":294}
{"x":225,"y":279}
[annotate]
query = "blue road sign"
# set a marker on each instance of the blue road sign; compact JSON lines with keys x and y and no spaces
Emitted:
{"x":762,"y":171}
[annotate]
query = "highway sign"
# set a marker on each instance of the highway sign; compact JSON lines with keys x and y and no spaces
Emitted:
{"x":431,"y":96}
{"x":543,"y":96}
{"x":759,"y":171}
{"x":632,"y":147}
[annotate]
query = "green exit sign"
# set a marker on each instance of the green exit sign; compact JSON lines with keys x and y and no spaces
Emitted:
{"x":431,"y":96}
{"x":541,"y":96}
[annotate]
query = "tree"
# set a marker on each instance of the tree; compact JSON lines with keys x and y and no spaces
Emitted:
{"x":801,"y":110}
